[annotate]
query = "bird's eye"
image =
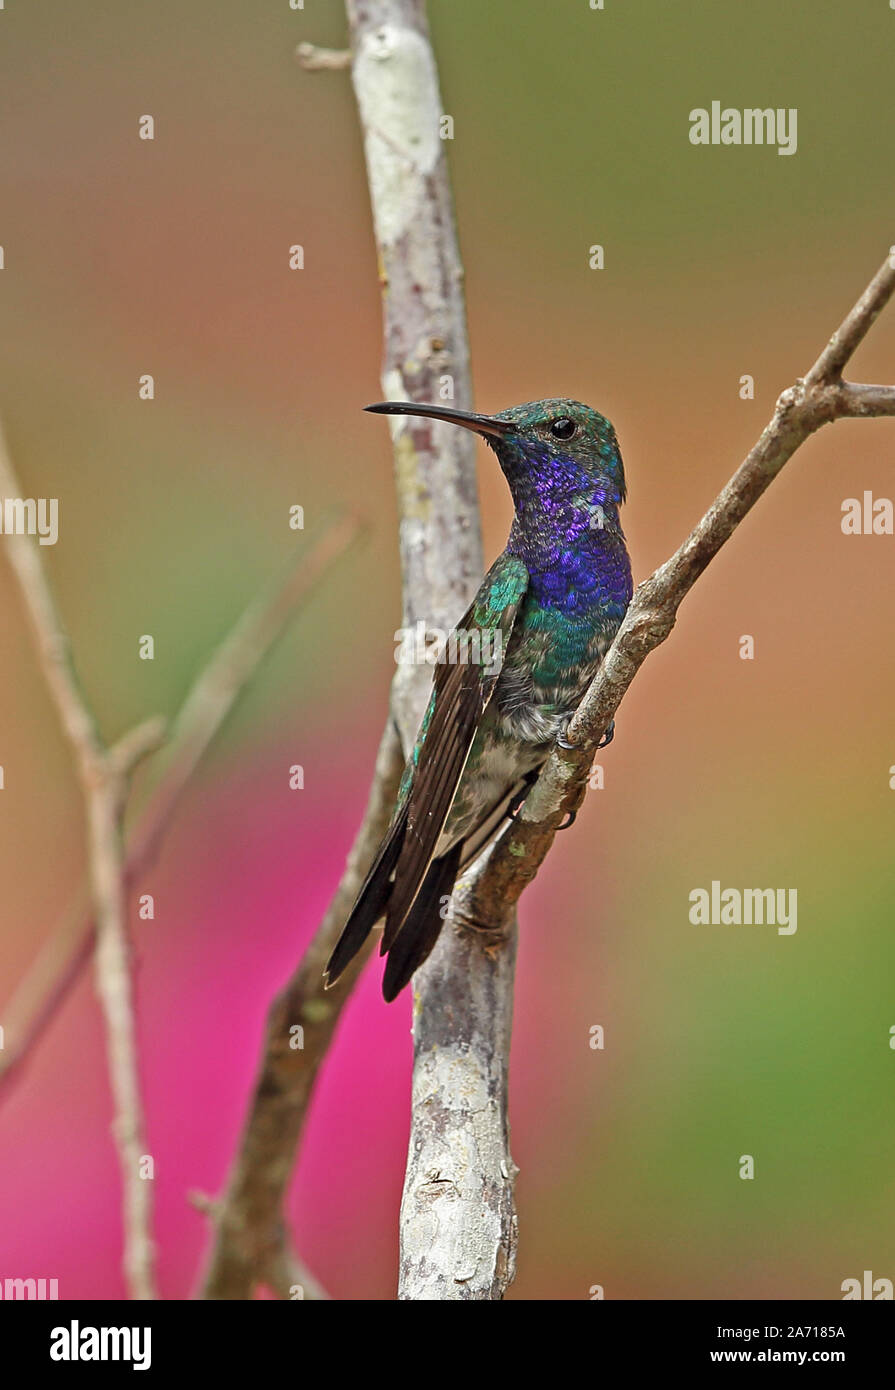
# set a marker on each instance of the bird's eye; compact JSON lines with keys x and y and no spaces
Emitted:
{"x":563,"y":428}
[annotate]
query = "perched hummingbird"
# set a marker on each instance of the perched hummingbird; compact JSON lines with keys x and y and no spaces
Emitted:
{"x":550,"y":605}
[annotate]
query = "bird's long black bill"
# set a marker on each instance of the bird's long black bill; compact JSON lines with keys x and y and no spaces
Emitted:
{"x":481,"y":424}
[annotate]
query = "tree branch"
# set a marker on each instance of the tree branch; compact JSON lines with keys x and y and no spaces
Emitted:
{"x":459,"y":1168}
{"x":819,"y":398}
{"x":425,"y":351}
{"x":443,"y":1255}
{"x":248,"y":1226}
{"x":69,"y":945}
{"x":458,"y":1222}
{"x":104,"y":776}
{"x":458,"y":1214}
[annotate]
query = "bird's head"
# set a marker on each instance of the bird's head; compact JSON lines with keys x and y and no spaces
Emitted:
{"x":550,"y":451}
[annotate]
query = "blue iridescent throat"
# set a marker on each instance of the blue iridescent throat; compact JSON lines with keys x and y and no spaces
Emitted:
{"x":567,"y":532}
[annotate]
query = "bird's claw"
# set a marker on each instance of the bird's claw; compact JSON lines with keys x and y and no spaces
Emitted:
{"x":604,"y":741}
{"x":561,"y":739}
{"x":573,"y":815}
{"x":608,"y":736}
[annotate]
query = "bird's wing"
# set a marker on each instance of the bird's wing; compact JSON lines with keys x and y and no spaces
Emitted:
{"x":459,"y":699}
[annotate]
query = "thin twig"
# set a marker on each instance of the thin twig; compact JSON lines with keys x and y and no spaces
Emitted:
{"x":249,"y":1230}
{"x":104,"y":776}
{"x":820,"y":398}
{"x":314,"y":59}
{"x":40,"y":995}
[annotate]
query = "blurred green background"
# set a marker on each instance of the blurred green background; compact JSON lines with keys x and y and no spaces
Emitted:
{"x":124,"y":257}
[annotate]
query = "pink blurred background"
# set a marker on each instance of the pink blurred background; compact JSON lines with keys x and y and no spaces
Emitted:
{"x":172,"y":257}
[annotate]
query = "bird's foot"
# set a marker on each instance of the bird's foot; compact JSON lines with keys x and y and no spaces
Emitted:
{"x":573,"y":816}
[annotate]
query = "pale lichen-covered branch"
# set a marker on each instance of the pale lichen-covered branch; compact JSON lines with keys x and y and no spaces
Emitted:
{"x":425,"y":355}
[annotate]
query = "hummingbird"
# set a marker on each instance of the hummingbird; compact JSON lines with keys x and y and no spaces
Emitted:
{"x":545,"y":615}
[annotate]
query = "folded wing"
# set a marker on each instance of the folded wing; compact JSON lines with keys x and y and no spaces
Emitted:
{"x":406,"y":882}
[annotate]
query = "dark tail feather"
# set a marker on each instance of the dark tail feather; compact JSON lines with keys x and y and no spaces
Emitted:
{"x":371,"y":903}
{"x":420,"y":928}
